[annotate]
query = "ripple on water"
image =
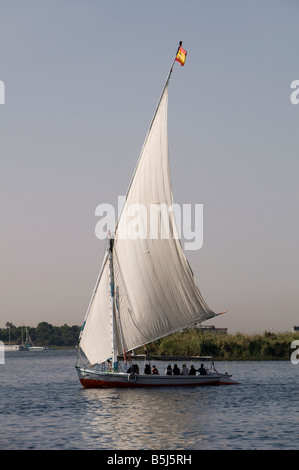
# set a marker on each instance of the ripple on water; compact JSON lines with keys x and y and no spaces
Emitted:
{"x":43,"y":406}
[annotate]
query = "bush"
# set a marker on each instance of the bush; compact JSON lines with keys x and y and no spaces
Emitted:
{"x":267,"y":346}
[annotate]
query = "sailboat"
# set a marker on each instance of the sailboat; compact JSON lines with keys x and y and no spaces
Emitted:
{"x":145,"y":289}
{"x":29,"y":343}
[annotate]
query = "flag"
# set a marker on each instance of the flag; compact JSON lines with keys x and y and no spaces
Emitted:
{"x":181,"y":56}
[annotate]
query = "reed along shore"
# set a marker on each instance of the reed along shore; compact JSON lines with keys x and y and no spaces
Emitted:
{"x":234,"y":347}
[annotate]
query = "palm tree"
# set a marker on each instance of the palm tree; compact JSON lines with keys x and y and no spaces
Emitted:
{"x":8,"y":325}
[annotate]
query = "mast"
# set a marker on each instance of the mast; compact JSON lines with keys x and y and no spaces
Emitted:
{"x":151,"y":124}
{"x":112,"y":303}
{"x":166,"y":84}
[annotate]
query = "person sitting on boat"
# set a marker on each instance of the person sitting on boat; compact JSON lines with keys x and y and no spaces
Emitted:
{"x":155,"y":370}
{"x":192,"y":370}
{"x":147,"y":369}
{"x":176,"y":370}
{"x":169,"y":370}
{"x":185,"y":370}
{"x":202,"y":370}
{"x":136,"y":368}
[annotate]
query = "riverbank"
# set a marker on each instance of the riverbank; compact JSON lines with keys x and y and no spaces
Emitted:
{"x":189,"y":342}
{"x":237,"y":347}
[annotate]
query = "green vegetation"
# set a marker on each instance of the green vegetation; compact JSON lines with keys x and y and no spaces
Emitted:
{"x":189,"y":342}
{"x":238,"y":347}
{"x":43,"y":335}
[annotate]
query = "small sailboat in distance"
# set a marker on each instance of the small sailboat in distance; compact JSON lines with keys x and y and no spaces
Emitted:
{"x":145,"y":289}
{"x":29,"y":343}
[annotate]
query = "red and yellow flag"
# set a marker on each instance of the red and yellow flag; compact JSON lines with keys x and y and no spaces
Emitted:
{"x":181,"y":56}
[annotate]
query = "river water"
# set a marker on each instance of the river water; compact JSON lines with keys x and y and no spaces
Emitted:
{"x":43,"y":406}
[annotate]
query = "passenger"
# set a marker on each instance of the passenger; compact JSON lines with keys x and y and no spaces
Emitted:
{"x":169,"y":370}
{"x":176,"y":370}
{"x":155,"y":370}
{"x":192,"y":370}
{"x":185,"y":370}
{"x":146,"y":353}
{"x":202,"y":370}
{"x":136,"y":368}
{"x":147,"y":369}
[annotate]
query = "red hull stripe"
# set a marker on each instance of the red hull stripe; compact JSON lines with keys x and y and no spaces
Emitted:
{"x":88,"y":383}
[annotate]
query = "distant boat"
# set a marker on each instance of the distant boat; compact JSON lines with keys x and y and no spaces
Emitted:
{"x":146,"y":288}
{"x":11,"y":347}
{"x":29,"y":343}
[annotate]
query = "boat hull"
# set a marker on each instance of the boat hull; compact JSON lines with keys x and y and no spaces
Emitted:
{"x":11,"y":347}
{"x":93,"y":379}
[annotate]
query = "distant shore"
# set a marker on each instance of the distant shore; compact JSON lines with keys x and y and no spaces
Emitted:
{"x":189,"y":342}
{"x":234,"y":347}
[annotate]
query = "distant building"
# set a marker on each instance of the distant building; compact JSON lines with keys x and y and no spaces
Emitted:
{"x":209,"y":329}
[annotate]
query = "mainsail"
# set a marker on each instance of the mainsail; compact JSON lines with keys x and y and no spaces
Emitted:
{"x":154,"y":287}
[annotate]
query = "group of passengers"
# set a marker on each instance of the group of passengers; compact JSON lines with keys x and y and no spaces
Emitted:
{"x":169,"y":371}
{"x":147,"y":370}
{"x":185,"y":371}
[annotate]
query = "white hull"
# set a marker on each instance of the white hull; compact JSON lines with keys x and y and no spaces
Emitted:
{"x":11,"y":347}
{"x":94,"y":379}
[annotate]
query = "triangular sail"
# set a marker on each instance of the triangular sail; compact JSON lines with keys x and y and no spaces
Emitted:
{"x":158,"y":292}
{"x":155,"y":289}
{"x":95,"y":337}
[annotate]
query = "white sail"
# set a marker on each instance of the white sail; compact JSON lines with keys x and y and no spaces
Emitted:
{"x":156,"y":293}
{"x":95,"y":338}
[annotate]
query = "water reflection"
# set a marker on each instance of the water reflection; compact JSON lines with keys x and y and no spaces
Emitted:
{"x":261,"y":413}
{"x":146,"y":418}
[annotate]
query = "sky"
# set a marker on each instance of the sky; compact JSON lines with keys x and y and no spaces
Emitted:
{"x":82,"y":80}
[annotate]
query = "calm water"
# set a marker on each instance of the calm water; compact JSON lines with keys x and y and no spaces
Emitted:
{"x":43,"y":406}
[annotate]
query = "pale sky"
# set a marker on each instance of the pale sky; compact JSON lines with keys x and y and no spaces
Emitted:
{"x":82,"y":80}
